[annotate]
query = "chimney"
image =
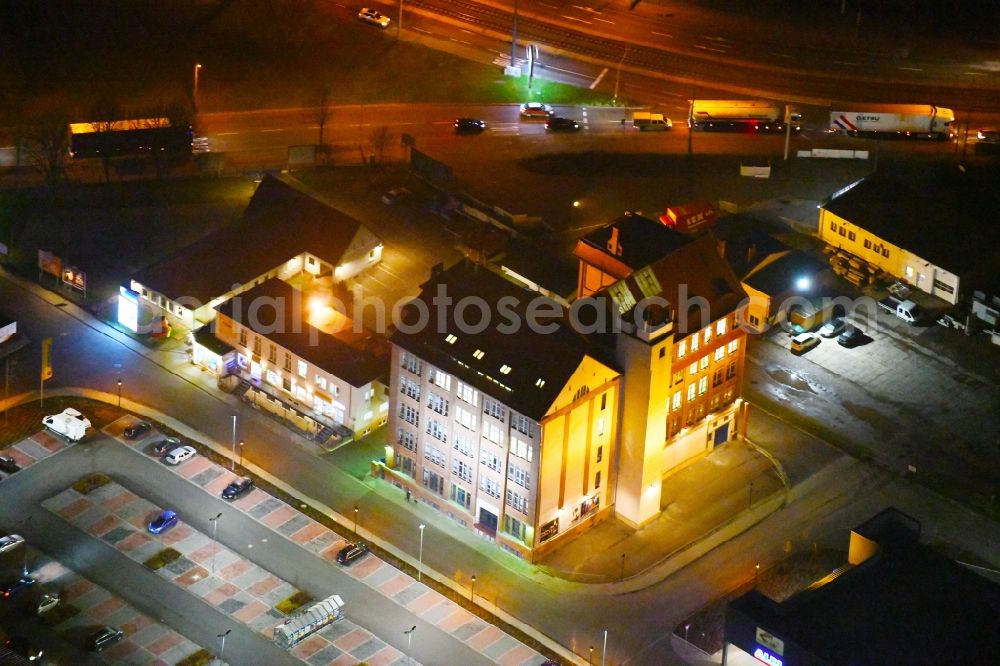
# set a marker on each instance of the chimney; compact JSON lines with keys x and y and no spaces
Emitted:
{"x":614,"y":247}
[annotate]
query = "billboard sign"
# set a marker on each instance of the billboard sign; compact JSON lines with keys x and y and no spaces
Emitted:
{"x":128,"y":309}
{"x":49,"y":263}
{"x":74,"y":277}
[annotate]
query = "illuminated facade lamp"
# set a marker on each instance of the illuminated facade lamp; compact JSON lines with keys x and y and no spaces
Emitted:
{"x":803,"y":284}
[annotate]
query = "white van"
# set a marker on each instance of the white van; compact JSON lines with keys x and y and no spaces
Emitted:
{"x":650,"y":122}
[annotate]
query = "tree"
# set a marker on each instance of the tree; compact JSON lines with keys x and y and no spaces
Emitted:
{"x":323,"y":111}
{"x":47,"y":144}
{"x":104,"y":114}
{"x":380,"y":138}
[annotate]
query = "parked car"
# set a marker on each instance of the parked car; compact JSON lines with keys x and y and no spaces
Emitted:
{"x":8,"y":464}
{"x":536,"y":111}
{"x":163,"y":522}
{"x":104,"y":637}
{"x":12,"y":588}
{"x":374,"y":17}
{"x":179,"y":455}
{"x":469,"y":125}
{"x":351,"y":552}
{"x":558,"y":124}
{"x":950,"y":321}
{"x":21,"y":646}
{"x":803,"y":342}
{"x":10,"y":542}
{"x":137,"y":430}
{"x":164,"y":446}
{"x":851,"y":337}
{"x":395,"y":195}
{"x":833,"y":328}
{"x":237,"y":488}
{"x":48,"y":601}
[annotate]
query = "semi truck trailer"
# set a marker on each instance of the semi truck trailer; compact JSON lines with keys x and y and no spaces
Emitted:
{"x":903,"y":120}
{"x":740,"y":115}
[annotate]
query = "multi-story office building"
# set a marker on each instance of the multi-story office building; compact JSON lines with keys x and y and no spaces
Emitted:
{"x":507,"y":427}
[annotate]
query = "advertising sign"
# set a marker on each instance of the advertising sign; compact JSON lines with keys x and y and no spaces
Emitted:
{"x":128,"y":309}
{"x":548,"y":530}
{"x":770,"y":641}
{"x":49,"y":263}
{"x":75,"y":278}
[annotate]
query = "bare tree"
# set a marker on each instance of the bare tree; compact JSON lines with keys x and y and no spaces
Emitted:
{"x":103,"y":116}
{"x":47,"y":144}
{"x":323,"y":111}
{"x":380,"y":138}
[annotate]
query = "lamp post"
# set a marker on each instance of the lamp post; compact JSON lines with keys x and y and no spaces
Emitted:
{"x":590,"y":657}
{"x":756,"y":572}
{"x":356,"y":521}
{"x":750,"y":499}
{"x":409,"y":640}
{"x":222,"y":650}
{"x":241,"y":453}
{"x":622,"y":576}
{"x":119,"y":393}
{"x":215,"y":527}
{"x":24,"y":568}
{"x":234,"y":440}
{"x":399,"y":21}
{"x":420,"y":561}
{"x":472,"y":597}
{"x":194,"y":96}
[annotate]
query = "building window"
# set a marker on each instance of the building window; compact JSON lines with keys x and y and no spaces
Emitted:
{"x":493,"y":433}
{"x":850,"y":235}
{"x":256,"y":345}
{"x":690,"y":392}
{"x":520,"y":448}
{"x":433,"y":481}
{"x":600,"y":426}
{"x":490,"y":460}
{"x":681,"y":349}
{"x":288,"y":362}
{"x":885,"y":252}
{"x":694,"y":343}
{"x":716,"y":378}
{"x":514,"y":527}
{"x":868,"y":244}
{"x":409,"y":414}
{"x":243,"y":336}
{"x":468,"y":394}
{"x":490,"y":487}
{"x":678,"y":377}
{"x":677,"y":400}
{"x":437,"y":404}
{"x":522,"y":424}
{"x":478,"y":354}
{"x":842,"y":231}
{"x":663,"y":351}
{"x":451,"y":338}
{"x":442,"y":379}
{"x":436,"y":430}
{"x":833,"y":226}
{"x":733,"y":346}
{"x":406,"y":439}
{"x":539,"y":382}
{"x":463,"y":445}
{"x":597,"y":480}
{"x":495,"y":409}
{"x":410,"y":388}
{"x":731,"y":371}
{"x":303,"y":369}
{"x":412,"y":363}
{"x":702,"y":385}
{"x":460,"y":495}
{"x":434,"y":454}
{"x":517,"y":502}
{"x":462,"y":470}
{"x":465,"y":417}
{"x":754,"y":321}
{"x":720,"y":327}
{"x":604,"y":401}
{"x":600,"y":453}
{"x":504,"y":369}
{"x":707,"y":335}
{"x":693,"y":368}
{"x":720,"y":352}
{"x":272,"y":354}
{"x":704,"y":362}
{"x":519,"y":476}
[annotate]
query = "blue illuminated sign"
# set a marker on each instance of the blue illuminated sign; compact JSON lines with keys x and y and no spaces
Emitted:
{"x":763,"y":655}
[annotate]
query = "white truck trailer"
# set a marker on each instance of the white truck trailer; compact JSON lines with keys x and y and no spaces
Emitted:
{"x":740,"y":115}
{"x":296,"y":628}
{"x":70,"y":424}
{"x":902,"y":120}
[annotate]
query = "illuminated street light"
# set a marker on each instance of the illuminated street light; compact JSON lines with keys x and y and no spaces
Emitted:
{"x":420,"y":561}
{"x":803,"y":283}
{"x":194,"y":96}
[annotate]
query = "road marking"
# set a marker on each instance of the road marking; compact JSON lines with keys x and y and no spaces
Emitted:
{"x":598,"y":79}
{"x":573,"y":18}
{"x":662,"y":34}
{"x":545,"y":4}
{"x":845,"y":62}
{"x":460,"y":41}
{"x":280,"y":129}
{"x":709,"y":48}
{"x":604,"y":20}
{"x":975,"y":73}
{"x":912,"y":69}
{"x":468,"y":32}
{"x":226,"y":133}
{"x":783,"y":55}
{"x":426,"y":32}
{"x":713,"y":39}
{"x":567,"y":71}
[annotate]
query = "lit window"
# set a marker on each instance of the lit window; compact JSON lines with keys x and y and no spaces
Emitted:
{"x":690,"y":392}
{"x":677,"y":400}
{"x":719,"y":353}
{"x":478,"y":354}
{"x":451,"y":338}
{"x":600,"y":426}
{"x":303,"y":369}
{"x":720,"y":327}
{"x":693,"y":369}
{"x":682,"y":347}
{"x":504,"y":369}
{"x":704,"y":362}
{"x":708,"y":335}
{"x":702,"y":385}
{"x":694,"y":343}
{"x":539,"y":382}
{"x":733,"y":346}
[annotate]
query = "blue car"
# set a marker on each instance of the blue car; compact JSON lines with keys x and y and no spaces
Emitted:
{"x":162,"y":522}
{"x":12,"y":588}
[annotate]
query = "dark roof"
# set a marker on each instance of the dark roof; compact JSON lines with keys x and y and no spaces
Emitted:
{"x":905,"y":605}
{"x":274,"y":309}
{"x":641,"y":240}
{"x":205,"y":337}
{"x":530,"y":354}
{"x":746,"y":241}
{"x":778,"y":277}
{"x":281,"y":222}
{"x":549,"y":269}
{"x":939,"y":213}
{"x":693,"y":271}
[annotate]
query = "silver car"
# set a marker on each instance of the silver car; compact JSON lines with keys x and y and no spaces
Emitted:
{"x":10,"y":542}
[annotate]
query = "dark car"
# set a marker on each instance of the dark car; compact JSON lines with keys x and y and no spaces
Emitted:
{"x":12,"y":588}
{"x":22,"y":647}
{"x":558,"y":124}
{"x":162,"y":522}
{"x":469,"y":125}
{"x":137,"y":430}
{"x":351,"y":552}
{"x":8,"y":464}
{"x":104,"y":637}
{"x":165,"y":446}
{"x":851,"y":337}
{"x":237,"y":488}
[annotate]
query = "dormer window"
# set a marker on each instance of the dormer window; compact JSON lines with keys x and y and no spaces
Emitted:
{"x":539,"y":382}
{"x":478,"y":354}
{"x":451,"y":338}
{"x":504,"y":369}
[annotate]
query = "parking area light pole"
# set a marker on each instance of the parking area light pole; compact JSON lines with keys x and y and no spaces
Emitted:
{"x":215,"y":528}
{"x":222,"y":650}
{"x":119,"y":393}
{"x":241,"y":453}
{"x":234,"y":442}
{"x":472,"y":597}
{"x":356,"y":509}
{"x":420,"y":560}
{"x":409,"y":641}
{"x":194,"y":92}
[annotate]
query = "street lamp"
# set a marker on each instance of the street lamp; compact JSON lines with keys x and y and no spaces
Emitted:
{"x":194,"y":96}
{"x":215,"y":527}
{"x":472,"y":597}
{"x":119,"y":393}
{"x":222,"y":650}
{"x":756,"y":572}
{"x":420,"y":561}
{"x":234,"y":455}
{"x":409,"y":639}
{"x":356,"y":520}
{"x":241,"y":453}
{"x":590,"y":658}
